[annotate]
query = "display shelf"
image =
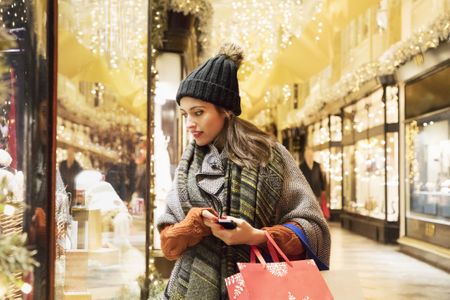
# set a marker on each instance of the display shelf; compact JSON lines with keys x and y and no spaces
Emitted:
{"x":106,"y":156}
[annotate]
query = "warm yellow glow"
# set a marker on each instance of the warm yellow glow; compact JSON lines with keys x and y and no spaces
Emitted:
{"x":262,"y":28}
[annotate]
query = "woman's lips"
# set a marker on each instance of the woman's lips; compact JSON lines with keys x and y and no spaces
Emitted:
{"x":197,"y":134}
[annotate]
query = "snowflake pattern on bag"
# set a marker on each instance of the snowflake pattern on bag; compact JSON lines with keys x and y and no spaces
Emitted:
{"x":239,"y":285}
{"x":291,"y":297}
{"x":278,"y":269}
{"x":241,"y":266}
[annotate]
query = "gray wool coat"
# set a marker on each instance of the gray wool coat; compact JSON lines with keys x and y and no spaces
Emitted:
{"x":298,"y":202}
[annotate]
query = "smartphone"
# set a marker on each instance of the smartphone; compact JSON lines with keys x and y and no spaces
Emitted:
{"x":227,"y":224}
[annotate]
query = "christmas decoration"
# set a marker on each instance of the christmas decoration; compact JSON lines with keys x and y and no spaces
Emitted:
{"x":421,"y":41}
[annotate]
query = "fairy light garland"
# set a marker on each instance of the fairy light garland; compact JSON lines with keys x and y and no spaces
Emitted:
{"x":263,"y":28}
{"x":413,"y":166}
{"x":421,"y":41}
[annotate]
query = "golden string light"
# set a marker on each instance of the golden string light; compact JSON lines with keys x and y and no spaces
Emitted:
{"x":422,"y":40}
{"x":262,"y":28}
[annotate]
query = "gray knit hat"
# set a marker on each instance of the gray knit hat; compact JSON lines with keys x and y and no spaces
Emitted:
{"x":216,"y":81}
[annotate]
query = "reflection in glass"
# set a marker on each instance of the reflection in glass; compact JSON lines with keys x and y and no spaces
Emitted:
{"x":101,"y":149}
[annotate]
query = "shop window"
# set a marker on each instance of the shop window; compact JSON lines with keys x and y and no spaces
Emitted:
{"x":102,"y":150}
{"x":348,"y":180}
{"x":392,"y":184}
{"x":335,"y":178}
{"x":428,"y":166}
{"x":370,"y":156}
{"x":369,"y":177}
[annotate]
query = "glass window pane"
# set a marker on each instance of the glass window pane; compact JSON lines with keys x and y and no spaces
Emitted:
{"x":101,"y":149}
{"x":428,"y":166}
{"x":370,"y":195}
{"x":335,"y":178}
{"x":349,"y":178}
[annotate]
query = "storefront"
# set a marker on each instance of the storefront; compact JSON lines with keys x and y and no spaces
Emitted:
{"x":358,"y":149}
{"x":325,"y":139}
{"x":86,"y":156}
{"x":426,"y":189}
{"x":370,"y":165}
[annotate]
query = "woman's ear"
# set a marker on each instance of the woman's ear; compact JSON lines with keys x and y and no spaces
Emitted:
{"x":228,"y":114}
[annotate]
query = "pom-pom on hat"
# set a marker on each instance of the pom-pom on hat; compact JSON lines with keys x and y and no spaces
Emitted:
{"x":215,"y":81}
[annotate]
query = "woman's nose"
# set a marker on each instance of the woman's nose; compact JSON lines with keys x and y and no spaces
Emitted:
{"x":189,"y":123}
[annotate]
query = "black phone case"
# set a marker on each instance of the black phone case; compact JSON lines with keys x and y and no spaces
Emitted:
{"x":227,"y":224}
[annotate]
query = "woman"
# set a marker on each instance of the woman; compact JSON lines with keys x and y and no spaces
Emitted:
{"x":231,"y":168}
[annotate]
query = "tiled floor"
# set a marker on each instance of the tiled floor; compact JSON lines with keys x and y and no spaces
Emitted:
{"x":382,"y":271}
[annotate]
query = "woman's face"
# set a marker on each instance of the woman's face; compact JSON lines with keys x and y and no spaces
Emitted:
{"x":203,"y":120}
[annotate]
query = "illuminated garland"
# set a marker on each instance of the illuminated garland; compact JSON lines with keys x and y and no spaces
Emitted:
{"x":400,"y":53}
{"x":413,"y":166}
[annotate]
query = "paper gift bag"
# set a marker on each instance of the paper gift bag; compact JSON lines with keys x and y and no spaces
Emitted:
{"x":324,"y":206}
{"x":292,"y":280}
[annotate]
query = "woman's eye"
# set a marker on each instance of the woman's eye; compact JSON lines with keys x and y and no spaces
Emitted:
{"x":198,"y":113}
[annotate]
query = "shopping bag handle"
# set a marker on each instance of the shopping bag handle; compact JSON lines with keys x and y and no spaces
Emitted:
{"x":255,"y":251}
{"x":302,"y":236}
{"x":273,"y":248}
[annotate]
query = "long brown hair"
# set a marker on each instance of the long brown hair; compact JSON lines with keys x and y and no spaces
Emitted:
{"x":246,"y":144}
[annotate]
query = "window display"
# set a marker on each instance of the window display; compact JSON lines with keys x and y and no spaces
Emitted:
{"x":348,"y":182}
{"x":102,"y":151}
{"x":392,"y":165}
{"x":335,"y":178}
{"x":326,"y":136}
{"x":370,"y":158}
{"x":369,"y":177}
{"x":428,"y":166}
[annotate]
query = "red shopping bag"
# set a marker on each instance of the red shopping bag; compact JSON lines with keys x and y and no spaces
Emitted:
{"x":324,"y":206}
{"x":292,"y":280}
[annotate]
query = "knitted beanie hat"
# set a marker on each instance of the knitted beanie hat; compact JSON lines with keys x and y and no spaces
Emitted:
{"x":215,"y":81}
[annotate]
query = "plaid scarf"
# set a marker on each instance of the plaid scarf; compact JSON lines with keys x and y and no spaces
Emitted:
{"x":253,"y":195}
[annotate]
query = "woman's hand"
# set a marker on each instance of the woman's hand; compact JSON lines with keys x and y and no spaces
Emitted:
{"x":244,"y":233}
